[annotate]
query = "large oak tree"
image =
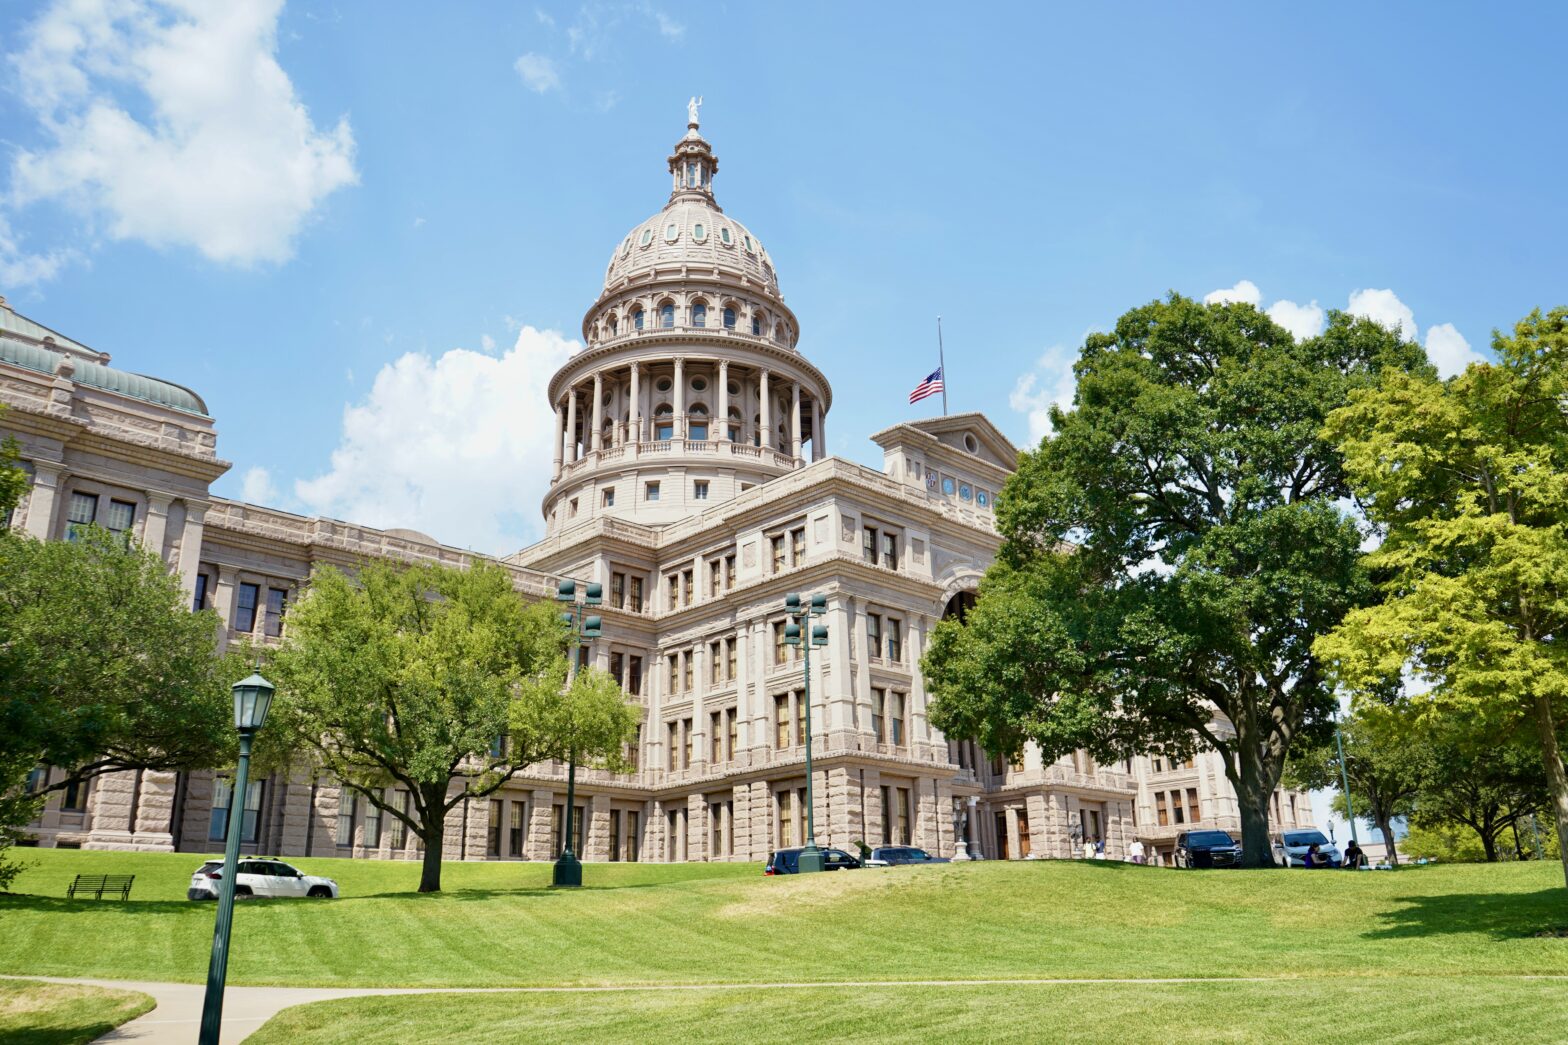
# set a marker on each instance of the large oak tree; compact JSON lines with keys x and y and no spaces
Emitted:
{"x":1172,"y":550}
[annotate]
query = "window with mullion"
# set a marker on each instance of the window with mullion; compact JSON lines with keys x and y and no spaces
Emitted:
{"x":276,"y":604}
{"x":245,"y":607}
{"x":84,"y":510}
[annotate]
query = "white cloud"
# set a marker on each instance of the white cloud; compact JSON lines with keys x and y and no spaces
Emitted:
{"x":451,"y":446}
{"x":1246,"y":292}
{"x":538,"y":72}
{"x":258,"y":488}
{"x":1051,"y":382}
{"x":1448,"y":349}
{"x":669,"y":28}
{"x":1384,"y":308}
{"x":487,"y":344}
{"x":20,"y":268}
{"x":171,"y":122}
{"x":1303,"y":321}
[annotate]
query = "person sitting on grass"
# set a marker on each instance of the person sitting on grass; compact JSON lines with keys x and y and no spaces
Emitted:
{"x":1315,"y":857}
{"x":1355,"y":859}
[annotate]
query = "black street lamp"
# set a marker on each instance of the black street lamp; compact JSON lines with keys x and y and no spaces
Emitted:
{"x":252,"y":698}
{"x":568,"y":869}
{"x":800,"y":617}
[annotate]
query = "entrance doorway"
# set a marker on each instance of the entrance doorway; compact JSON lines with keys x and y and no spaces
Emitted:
{"x":1001,"y":837}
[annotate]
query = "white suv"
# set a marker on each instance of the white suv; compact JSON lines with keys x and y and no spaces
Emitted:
{"x":260,"y":878}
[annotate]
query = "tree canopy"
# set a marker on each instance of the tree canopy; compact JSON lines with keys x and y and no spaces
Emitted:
{"x":1467,"y":479}
{"x":1171,"y":551}
{"x":411,"y":677}
{"x":1386,"y":760}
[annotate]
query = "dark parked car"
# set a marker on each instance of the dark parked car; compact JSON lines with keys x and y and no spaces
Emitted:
{"x":1207,"y":849}
{"x":898,"y":855}
{"x":787,"y":861}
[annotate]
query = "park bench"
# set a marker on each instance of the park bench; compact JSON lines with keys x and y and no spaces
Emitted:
{"x":98,"y":884}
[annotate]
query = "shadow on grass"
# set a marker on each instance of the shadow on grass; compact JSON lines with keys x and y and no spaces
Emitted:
{"x":22,"y":1034}
{"x":60,"y":905}
{"x":1501,"y":916}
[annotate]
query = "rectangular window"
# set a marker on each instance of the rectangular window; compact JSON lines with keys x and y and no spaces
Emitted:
{"x":492,"y":835}
{"x":1162,"y":811}
{"x":716,"y":733}
{"x":245,"y":608}
{"x":276,"y":604}
{"x":797,"y":546}
{"x":890,"y":551}
{"x":901,"y":828}
{"x":780,"y":650}
{"x":729,"y":572}
{"x":222,"y":797}
{"x":119,"y":518}
{"x":874,"y":635}
{"x":635,"y":598}
{"x":634,"y":676}
{"x":777,"y":546}
{"x":372,"y":825}
{"x":1176,"y":807}
{"x":800,"y":719}
{"x":686,"y":752}
{"x":618,"y":590}
{"x":686,"y":589}
{"x":887,"y":815}
{"x":400,"y":801}
{"x":84,"y":509}
{"x":615,"y":835}
{"x":515,"y":829}
{"x":37,"y":777}
{"x":699,"y":488}
{"x":675,"y":672}
{"x":347,"y":801}
{"x":673,"y":747}
{"x":715,"y":578}
{"x":555,"y":831}
{"x":608,"y":497}
{"x":672,"y":584}
{"x":653,"y":492}
{"x":199,"y":602}
{"x":781,"y":721}
{"x":895,"y":641}
{"x":690,"y":656}
{"x":618,"y":668}
{"x":733,"y":734}
{"x":633,"y":835}
{"x":878,"y":723}
{"x":1194,"y":812}
{"x":868,"y":545}
{"x":895,"y":716}
{"x":800,"y":816}
{"x":729,"y":659}
{"x":781,"y":805}
{"x":634,"y":752}
{"x":715,"y":663}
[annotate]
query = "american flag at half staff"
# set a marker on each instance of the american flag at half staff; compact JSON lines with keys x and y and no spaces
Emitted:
{"x":929,"y":387}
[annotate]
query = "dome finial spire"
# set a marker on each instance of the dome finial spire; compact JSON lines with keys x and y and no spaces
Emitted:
{"x":692,"y":113}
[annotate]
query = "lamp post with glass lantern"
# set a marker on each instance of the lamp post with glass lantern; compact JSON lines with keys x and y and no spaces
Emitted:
{"x":795,"y":635}
{"x":568,"y":869}
{"x":252,"y":698}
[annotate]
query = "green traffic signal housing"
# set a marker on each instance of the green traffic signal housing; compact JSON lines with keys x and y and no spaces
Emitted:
{"x":566,"y":591}
{"x":792,"y":634}
{"x":819,"y":634}
{"x":595,"y":594}
{"x":819,"y":605}
{"x":792,"y":603}
{"x":592,"y":627}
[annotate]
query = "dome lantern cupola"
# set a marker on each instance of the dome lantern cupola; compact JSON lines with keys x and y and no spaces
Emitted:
{"x":693,"y":165}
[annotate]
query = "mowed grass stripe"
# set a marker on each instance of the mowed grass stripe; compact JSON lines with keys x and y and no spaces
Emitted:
{"x":497,"y":924}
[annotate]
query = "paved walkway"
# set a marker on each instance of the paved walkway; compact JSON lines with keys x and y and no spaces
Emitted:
{"x":177,"y":1017}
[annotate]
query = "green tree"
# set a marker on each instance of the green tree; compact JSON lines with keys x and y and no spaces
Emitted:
{"x":1386,"y":761}
{"x":1480,"y":781}
{"x":411,"y":677}
{"x":1172,"y":550}
{"x":1468,"y":480}
{"x":103,"y":668}
{"x":588,"y":722}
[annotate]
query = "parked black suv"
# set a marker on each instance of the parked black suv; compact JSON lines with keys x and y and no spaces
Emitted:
{"x":1207,"y":849}
{"x":787,"y":861}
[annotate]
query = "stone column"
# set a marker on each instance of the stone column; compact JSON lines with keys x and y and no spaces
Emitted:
{"x":41,"y":501}
{"x":817,"y":452}
{"x":723,"y":418}
{"x":571,"y":425}
{"x":841,"y":701}
{"x":537,"y":842}
{"x":794,"y":421}
{"x":190,"y":544}
{"x":155,"y":811}
{"x":863,"y":678}
{"x":765,"y":406}
{"x":223,"y":601}
{"x":560,"y":441}
{"x":919,"y":733}
{"x":679,"y":403}
{"x":596,"y":825}
{"x":695,"y":844}
{"x":636,"y":405}
{"x":1012,"y":833}
{"x":155,"y":526}
{"x":596,"y":440}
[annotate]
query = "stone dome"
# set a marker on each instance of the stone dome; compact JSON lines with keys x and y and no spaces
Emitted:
{"x":694,"y":232}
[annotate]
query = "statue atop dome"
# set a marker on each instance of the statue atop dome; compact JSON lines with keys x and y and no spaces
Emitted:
{"x":691,"y":110}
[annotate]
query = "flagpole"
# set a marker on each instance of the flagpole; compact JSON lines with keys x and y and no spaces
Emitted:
{"x":942,"y":363}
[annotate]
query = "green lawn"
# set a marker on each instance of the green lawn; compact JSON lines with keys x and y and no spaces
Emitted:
{"x":1381,"y":1010}
{"x":498,"y":924}
{"x":36,"y":1013}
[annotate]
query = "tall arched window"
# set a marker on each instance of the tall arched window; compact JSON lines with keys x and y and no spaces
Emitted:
{"x":697,"y":422}
{"x":729,"y":318}
{"x":699,"y":314}
{"x":756,"y":324}
{"x":667,"y":315}
{"x":734,"y":425}
{"x":612,"y":324}
{"x":663,"y":422}
{"x":778,"y":331}
{"x":636,"y":319}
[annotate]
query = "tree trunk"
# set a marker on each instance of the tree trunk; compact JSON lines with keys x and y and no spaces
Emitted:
{"x":1386,"y":826}
{"x":433,"y":834}
{"x":1257,"y":850}
{"x":1555,"y":774}
{"x":1489,"y":845}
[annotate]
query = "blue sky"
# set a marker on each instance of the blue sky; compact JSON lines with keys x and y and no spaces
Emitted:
{"x":366,"y":232}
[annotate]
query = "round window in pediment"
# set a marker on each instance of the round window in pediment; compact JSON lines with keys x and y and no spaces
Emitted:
{"x":971,"y":443}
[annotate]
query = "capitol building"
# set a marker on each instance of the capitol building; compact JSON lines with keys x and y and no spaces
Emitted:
{"x":691,"y":478}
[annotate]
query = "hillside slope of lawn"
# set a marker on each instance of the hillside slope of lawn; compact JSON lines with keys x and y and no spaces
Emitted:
{"x":499,"y":924}
{"x":36,"y":1013}
{"x":1382,"y":1010}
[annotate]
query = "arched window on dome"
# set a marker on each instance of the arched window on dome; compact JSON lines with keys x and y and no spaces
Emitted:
{"x":663,"y":423}
{"x":611,"y":323}
{"x":756,"y":429}
{"x":699,"y":314}
{"x":692,"y":178}
{"x":697,"y":422}
{"x":756,"y":323}
{"x":729,"y":317}
{"x":636,"y":319}
{"x":778,"y":331}
{"x":667,"y":315}
{"x":734,"y":425}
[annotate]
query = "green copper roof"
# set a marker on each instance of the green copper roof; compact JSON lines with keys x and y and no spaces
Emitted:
{"x":43,"y":360}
